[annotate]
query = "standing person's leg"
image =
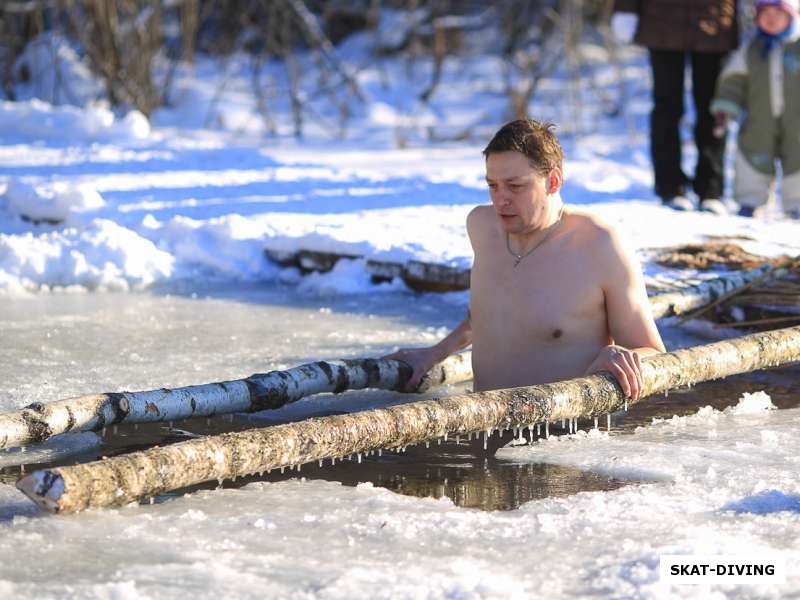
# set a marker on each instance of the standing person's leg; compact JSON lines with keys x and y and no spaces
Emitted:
{"x":752,"y":187}
{"x":789,"y":151}
{"x":790,"y":194}
{"x":668,"y":68}
{"x":708,"y":179}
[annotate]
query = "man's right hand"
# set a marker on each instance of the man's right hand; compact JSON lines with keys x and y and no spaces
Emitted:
{"x":624,"y":364}
{"x":421,"y":360}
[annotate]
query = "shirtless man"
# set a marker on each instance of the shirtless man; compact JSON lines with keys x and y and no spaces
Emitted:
{"x":554,"y":294}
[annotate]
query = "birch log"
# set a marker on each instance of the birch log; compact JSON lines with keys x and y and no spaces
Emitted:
{"x":673,"y":304}
{"x":124,"y":479}
{"x":39,"y":421}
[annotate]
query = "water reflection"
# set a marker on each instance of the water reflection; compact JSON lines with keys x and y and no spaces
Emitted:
{"x":473,"y":482}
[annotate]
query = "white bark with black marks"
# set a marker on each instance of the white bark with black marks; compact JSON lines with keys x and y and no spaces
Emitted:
{"x":672,"y":304}
{"x":128,"y":478}
{"x":37,"y":422}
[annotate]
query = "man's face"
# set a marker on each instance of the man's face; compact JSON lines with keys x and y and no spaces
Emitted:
{"x":520,"y":195}
{"x":772,"y":20}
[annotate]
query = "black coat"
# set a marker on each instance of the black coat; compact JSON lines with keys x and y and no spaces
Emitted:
{"x":689,"y":25}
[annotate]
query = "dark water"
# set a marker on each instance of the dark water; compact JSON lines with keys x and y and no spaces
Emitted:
{"x":42,"y":334}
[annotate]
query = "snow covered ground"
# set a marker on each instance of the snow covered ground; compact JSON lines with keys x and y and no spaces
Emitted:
{"x":91,"y":201}
{"x":137,"y":204}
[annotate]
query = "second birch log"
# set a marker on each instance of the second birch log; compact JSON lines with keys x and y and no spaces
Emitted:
{"x":128,"y":478}
{"x":673,"y":304}
{"x":39,"y":421}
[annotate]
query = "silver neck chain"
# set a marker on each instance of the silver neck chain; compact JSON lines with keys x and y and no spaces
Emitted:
{"x":518,"y":258}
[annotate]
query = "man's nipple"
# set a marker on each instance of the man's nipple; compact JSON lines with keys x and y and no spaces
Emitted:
{"x":557,"y":334}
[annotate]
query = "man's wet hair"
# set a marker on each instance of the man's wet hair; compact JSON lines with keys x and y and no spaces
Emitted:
{"x":534,"y":139}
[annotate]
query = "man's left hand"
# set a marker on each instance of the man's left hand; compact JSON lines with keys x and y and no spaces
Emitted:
{"x":623,"y":364}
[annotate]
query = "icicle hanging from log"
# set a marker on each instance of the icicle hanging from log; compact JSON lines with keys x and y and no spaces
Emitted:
{"x":38,"y":421}
{"x":131,"y":477}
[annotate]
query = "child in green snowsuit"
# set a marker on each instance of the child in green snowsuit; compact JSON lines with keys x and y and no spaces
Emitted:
{"x":761,"y":84}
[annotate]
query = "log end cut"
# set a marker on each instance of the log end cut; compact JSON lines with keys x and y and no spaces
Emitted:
{"x":45,"y":488}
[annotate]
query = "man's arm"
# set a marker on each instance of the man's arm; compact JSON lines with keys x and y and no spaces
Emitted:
{"x":422,"y":359}
{"x":631,"y":326}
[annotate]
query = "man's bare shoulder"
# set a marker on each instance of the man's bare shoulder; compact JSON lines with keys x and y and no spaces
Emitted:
{"x":611,"y":256}
{"x":479,"y":220}
{"x":591,"y":229}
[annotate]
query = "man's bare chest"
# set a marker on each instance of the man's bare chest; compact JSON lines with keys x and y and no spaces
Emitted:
{"x":546,"y":299}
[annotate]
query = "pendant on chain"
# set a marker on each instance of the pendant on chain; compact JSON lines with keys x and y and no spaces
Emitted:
{"x":518,"y":257}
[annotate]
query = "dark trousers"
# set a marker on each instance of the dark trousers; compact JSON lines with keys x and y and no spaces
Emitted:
{"x":665,"y":144}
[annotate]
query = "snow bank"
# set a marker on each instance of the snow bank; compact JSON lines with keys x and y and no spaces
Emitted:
{"x":439,"y":233}
{"x":51,"y":203}
{"x":346,"y":277}
{"x":34,"y":120}
{"x":104,"y":255}
{"x":230,"y":247}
